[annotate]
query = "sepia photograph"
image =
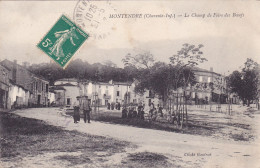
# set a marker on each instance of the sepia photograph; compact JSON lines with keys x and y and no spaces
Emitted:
{"x":129,"y":84}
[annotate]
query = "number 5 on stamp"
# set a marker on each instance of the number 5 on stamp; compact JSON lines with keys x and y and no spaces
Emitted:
{"x":62,"y":41}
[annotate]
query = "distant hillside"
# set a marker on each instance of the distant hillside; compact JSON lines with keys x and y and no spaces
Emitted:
{"x":82,"y":70}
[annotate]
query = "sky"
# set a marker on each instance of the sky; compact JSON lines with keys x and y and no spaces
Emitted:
{"x":227,"y":41}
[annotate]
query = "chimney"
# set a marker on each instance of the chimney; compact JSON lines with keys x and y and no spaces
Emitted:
{"x":14,"y":70}
{"x":26,"y":64}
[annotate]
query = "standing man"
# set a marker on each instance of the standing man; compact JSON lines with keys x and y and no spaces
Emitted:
{"x":86,"y":109}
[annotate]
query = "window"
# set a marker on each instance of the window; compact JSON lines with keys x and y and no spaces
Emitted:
{"x":117,"y":93}
{"x":200,"y":78}
{"x":68,"y":101}
{"x":209,"y":79}
{"x":47,"y":88}
{"x":200,"y":95}
{"x":149,"y":102}
{"x":42,"y":86}
{"x":193,"y":95}
{"x":150,"y":93}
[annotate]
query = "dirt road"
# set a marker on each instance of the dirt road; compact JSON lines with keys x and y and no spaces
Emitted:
{"x":187,"y":150}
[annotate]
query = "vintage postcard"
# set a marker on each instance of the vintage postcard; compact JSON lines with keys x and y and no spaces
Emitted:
{"x":141,"y":84}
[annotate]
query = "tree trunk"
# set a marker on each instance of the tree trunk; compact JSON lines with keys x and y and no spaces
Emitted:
{"x":186,"y":111}
{"x":183,"y":107}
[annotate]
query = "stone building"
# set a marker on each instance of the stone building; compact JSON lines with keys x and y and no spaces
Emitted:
{"x":210,"y":86}
{"x":4,"y":86}
{"x":36,"y":87}
{"x":99,"y":93}
{"x":59,"y":97}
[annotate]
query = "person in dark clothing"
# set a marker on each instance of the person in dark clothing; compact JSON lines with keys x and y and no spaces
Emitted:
{"x":86,"y":109}
{"x":119,"y":106}
{"x":151,"y":112}
{"x":160,"y":111}
{"x":139,"y":109}
{"x":76,"y":115}
{"x":112,"y":106}
{"x":108,"y":106}
{"x":142,"y":113}
{"x":124,"y":113}
{"x":130,"y":112}
{"x":134,"y":112}
{"x":116,"y":106}
{"x":87,"y":116}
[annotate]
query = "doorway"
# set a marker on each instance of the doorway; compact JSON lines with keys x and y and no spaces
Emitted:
{"x":39,"y":100}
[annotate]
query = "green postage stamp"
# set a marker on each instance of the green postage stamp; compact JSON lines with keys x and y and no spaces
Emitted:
{"x":62,"y":41}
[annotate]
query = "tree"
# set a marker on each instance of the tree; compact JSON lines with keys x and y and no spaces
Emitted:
{"x":235,"y":82}
{"x":81,"y":70}
{"x":143,"y":60}
{"x":246,"y":83}
{"x":163,"y":78}
{"x":250,"y":82}
{"x":188,"y":57}
{"x":110,"y":64}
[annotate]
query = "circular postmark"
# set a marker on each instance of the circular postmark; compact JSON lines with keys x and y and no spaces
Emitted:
{"x":92,"y":16}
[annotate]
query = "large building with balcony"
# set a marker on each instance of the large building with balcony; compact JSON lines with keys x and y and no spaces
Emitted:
{"x":210,"y":86}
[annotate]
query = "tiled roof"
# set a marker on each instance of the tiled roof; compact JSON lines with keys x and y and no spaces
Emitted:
{"x":53,"y":88}
{"x":103,"y":83}
{"x":204,"y":70}
{"x":12,"y":63}
{"x":122,"y":83}
{"x":67,"y":79}
{"x":66,"y":84}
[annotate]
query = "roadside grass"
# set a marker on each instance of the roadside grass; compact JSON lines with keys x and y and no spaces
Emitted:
{"x":147,"y":160}
{"x":194,"y":127}
{"x":21,"y":137}
{"x":198,"y":124}
{"x":75,"y":160}
{"x":115,"y":118}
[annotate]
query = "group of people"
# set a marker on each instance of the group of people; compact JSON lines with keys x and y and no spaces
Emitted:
{"x":154,"y":112}
{"x":83,"y":103}
{"x":112,"y":106}
{"x":132,"y":112}
{"x":139,"y":111}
